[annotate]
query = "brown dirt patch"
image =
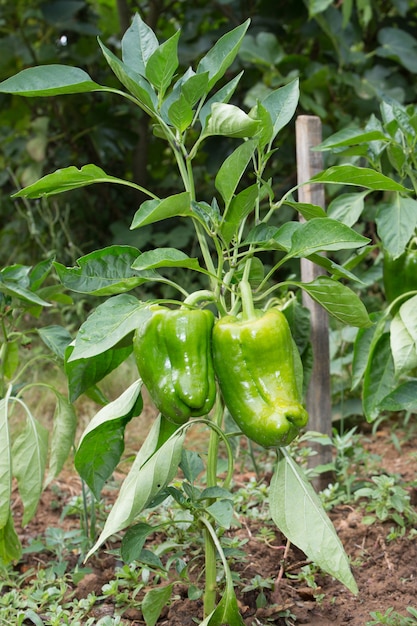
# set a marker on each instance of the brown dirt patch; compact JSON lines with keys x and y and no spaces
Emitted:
{"x":385,"y":571}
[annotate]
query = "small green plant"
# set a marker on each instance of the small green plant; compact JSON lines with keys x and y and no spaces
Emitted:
{"x":259,"y":584}
{"x":26,"y":453}
{"x":308,"y":575}
{"x":388,"y":500}
{"x":46,"y":591}
{"x":393,"y":618}
{"x":350,"y":466}
{"x":59,"y":543}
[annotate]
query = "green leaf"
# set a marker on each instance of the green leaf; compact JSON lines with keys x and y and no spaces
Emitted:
{"x":407,"y":314}
{"x":220,"y":57}
{"x":134,"y":540}
{"x":164,"y":257}
{"x":403,"y":398}
{"x":398,"y":44}
{"x":347,"y":207}
{"x":338,"y":300}
{"x":39,"y":273}
{"x":281,"y":104}
{"x":14,"y":289}
{"x":35,"y":619}
{"x":57,"y":338}
{"x":181,"y":113}
{"x":102,"y":442}
{"x":222,"y":512}
{"x":67,"y":179}
{"x":379,"y":379}
{"x":55,"y":293}
{"x":49,"y":80}
{"x":178,"y":105}
{"x":283,"y":236}
{"x":104,"y":272}
{"x":396,"y":221}
{"x":223,"y":95}
{"x":108,"y":324}
{"x":360,"y":176}
{"x":133,"y":81}
{"x":263,"y":234}
{"x":215,"y":492}
{"x":263,"y":50}
{"x":161,"y":65}
{"x":29,"y":453}
{"x":84,"y":374}
{"x":351,"y":137}
{"x":63,"y":435}
{"x":323,"y":233}
{"x":298,"y":318}
{"x":365,"y":340}
{"x":227,"y":610}
{"x":228,"y":120}
{"x":334,"y":269}
{"x":5,"y":461}
{"x":152,"y":211}
{"x":10,"y":358}
{"x":153,"y":603}
{"x":308,"y":211}
{"x":266,"y":129}
{"x":16,"y":273}
{"x":147,"y":477}
{"x":232,"y":170}
{"x":403,"y":346}
{"x":193,"y":86}
{"x":10,"y":546}
{"x":138,"y":43}
{"x":240,"y":207}
{"x":298,"y":512}
{"x":191,"y":465}
{"x":147,"y":557}
{"x":318,"y":6}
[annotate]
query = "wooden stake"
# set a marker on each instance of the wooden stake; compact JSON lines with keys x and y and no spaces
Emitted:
{"x":308,"y":135}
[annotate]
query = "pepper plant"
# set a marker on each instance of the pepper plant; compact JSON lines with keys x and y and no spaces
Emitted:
{"x":181,"y":344}
{"x":385,"y":354}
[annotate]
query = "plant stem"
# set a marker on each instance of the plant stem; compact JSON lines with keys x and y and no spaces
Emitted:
{"x":85,"y":511}
{"x":210,"y":584}
{"x":198,"y":296}
{"x":248,"y":310}
{"x":209,"y":545}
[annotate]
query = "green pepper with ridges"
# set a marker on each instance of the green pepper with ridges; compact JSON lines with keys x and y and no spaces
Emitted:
{"x":174,"y":359}
{"x":255,"y":367}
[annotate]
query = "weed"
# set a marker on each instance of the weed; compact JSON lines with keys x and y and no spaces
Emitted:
{"x":388,"y":500}
{"x":307,"y":575}
{"x":392,"y":618}
{"x":259,"y":584}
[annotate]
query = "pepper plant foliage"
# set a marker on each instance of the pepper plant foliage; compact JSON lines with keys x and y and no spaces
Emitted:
{"x":233,"y":231}
{"x":385,"y":354}
{"x":28,"y":453}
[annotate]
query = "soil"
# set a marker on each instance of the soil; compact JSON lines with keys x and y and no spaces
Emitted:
{"x":385,"y":571}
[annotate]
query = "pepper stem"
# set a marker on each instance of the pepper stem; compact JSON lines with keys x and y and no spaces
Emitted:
{"x":197,"y":296}
{"x":248,"y":309}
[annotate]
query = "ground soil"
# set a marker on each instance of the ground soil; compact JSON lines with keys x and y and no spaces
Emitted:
{"x":385,"y":571}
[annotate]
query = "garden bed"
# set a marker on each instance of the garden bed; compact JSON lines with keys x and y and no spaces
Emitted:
{"x":383,"y":557}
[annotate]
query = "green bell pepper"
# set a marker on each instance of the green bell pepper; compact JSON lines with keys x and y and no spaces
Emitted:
{"x":174,"y":359}
{"x":255,"y":367}
{"x":400,"y":274}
